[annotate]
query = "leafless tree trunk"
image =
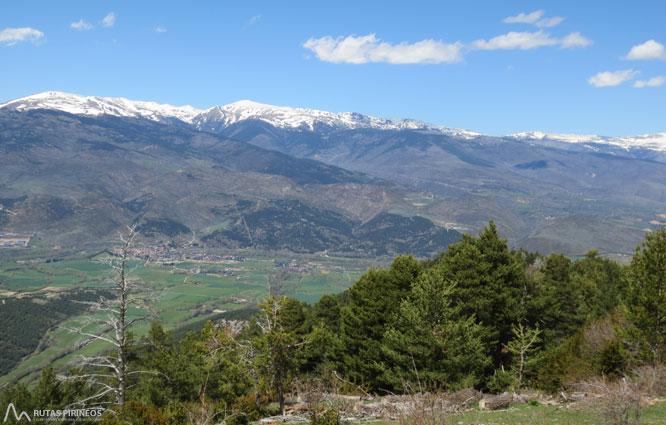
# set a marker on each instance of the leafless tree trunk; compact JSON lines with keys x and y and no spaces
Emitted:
{"x":110,"y":373}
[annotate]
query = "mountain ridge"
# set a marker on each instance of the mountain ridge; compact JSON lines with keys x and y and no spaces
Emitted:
{"x":525,"y":182}
{"x":279,"y":116}
{"x":217,"y":118}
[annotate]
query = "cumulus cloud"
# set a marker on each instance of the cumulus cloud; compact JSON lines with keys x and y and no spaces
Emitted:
{"x":650,"y":50}
{"x":611,"y":78}
{"x":109,"y":20}
{"x":363,"y":49}
{"x":530,"y":40}
{"x":160,"y":28}
{"x":81,"y":25}
{"x":11,"y":36}
{"x":534,"y":18}
{"x":574,"y":40}
{"x":652,"y":82}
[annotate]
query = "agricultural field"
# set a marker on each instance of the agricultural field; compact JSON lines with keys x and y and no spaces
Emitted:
{"x":181,"y":292}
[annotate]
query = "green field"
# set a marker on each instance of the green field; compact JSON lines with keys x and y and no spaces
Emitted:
{"x":525,"y":414}
{"x":178,"y":297}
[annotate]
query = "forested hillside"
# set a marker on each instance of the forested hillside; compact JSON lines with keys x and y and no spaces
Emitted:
{"x":477,"y":316}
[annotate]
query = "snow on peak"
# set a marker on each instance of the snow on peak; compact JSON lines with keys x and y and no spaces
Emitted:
{"x":94,"y":105}
{"x":302,"y":118}
{"x":654,"y":141}
{"x":218,"y":118}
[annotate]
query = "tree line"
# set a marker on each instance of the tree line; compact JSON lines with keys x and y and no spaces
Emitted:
{"x":478,"y":315}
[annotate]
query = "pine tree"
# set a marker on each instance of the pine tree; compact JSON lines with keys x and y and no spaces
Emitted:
{"x":490,"y":286}
{"x":558,"y":306}
{"x":373,"y":302}
{"x":647,"y":304}
{"x":49,"y":393}
{"x":432,"y":346}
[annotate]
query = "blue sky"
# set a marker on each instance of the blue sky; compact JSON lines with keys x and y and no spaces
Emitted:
{"x":488,"y":66}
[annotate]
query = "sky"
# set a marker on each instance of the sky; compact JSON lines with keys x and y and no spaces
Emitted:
{"x":495,"y":67}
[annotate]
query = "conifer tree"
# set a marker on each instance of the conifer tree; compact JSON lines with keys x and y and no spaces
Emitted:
{"x":432,"y":346}
{"x":373,"y":302}
{"x":490,"y":284}
{"x":647,"y":305}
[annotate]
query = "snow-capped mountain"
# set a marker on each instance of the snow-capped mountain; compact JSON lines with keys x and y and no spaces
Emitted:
{"x":655,"y":141}
{"x":94,"y":105}
{"x":220,"y":117}
{"x":300,"y":118}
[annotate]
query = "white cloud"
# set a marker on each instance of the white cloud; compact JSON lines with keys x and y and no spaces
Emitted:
{"x":11,"y":36}
{"x":109,"y":20}
{"x":363,"y":49}
{"x":525,"y":18}
{"x":160,"y":28}
{"x":550,"y":22}
{"x":81,"y":25}
{"x":517,"y":40}
{"x":611,"y":78}
{"x":652,"y":82}
{"x":530,"y":40}
{"x":650,"y":50}
{"x":534,"y":18}
{"x":575,"y":40}
{"x":253,"y":20}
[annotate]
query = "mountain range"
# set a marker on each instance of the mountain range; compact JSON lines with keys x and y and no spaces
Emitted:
{"x":75,"y":168}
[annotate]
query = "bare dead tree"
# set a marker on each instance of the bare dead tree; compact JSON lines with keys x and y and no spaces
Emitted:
{"x":276,"y":348}
{"x":107,"y":321}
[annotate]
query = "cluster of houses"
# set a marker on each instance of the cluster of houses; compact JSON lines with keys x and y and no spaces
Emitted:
{"x":167,"y":255}
{"x":14,"y":241}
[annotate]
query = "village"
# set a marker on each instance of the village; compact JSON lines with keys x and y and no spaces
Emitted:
{"x":9,"y":240}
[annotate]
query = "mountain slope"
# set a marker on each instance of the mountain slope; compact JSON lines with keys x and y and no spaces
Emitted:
{"x":523,"y":181}
{"x":76,"y":180}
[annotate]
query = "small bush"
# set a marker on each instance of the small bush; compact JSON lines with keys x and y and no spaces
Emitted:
{"x":613,"y":359}
{"x":502,"y":381}
{"x":328,"y":417}
{"x":425,"y":409}
{"x":621,"y":401}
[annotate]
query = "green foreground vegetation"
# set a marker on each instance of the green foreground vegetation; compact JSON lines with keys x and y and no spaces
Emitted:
{"x":548,"y":415}
{"x":478,"y":316}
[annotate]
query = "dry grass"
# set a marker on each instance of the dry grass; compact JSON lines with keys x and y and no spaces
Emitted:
{"x":621,"y":401}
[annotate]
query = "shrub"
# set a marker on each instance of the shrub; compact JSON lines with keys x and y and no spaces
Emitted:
{"x":328,"y":417}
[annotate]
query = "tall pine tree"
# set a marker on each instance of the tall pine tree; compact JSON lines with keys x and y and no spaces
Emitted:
{"x":490,"y":286}
{"x":373,"y":302}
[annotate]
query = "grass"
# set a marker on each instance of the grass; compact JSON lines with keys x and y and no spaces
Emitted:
{"x":564,"y":414}
{"x":219,"y":226}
